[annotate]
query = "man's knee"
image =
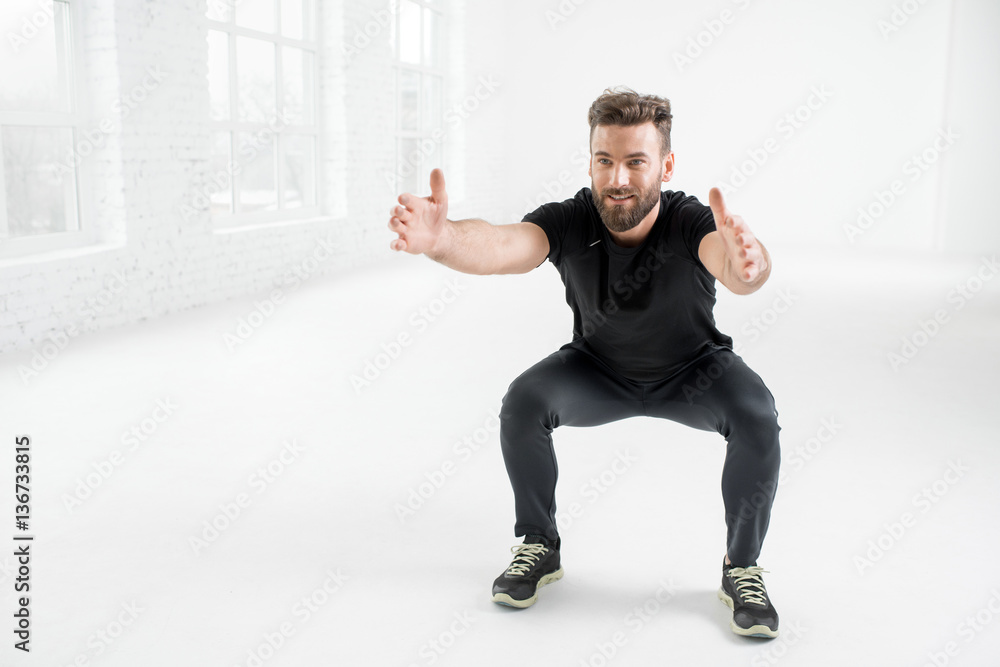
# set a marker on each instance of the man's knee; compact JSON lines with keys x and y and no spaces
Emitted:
{"x":526,"y":396}
{"x":754,"y":420}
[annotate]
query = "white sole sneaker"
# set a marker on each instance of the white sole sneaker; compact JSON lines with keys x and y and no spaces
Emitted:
{"x":506,"y":600}
{"x":753,"y":630}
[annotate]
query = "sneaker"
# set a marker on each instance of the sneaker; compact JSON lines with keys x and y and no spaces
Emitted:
{"x":743,"y":591}
{"x":536,"y":563}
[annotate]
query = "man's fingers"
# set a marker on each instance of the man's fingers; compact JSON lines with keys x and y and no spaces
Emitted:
{"x":718,"y":206}
{"x":437,"y":186}
{"x":404,"y":214}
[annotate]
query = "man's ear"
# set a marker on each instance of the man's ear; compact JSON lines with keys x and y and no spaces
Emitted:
{"x":668,"y":167}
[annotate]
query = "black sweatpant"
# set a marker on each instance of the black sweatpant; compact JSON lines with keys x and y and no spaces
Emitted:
{"x":716,"y":392}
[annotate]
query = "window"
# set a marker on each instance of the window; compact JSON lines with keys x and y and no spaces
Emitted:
{"x":264,"y":119}
{"x":418,"y":39}
{"x":39,"y":128}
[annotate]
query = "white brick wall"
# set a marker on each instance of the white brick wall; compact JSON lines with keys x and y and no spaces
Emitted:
{"x":157,"y":158}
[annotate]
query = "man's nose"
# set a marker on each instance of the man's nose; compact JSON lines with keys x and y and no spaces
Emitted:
{"x":619,"y":177}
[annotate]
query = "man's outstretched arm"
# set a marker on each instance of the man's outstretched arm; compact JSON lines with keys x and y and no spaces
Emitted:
{"x":732,"y":253}
{"x":470,"y":246}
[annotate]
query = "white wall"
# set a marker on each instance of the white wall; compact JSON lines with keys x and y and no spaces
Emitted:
{"x":967,"y":215}
{"x":523,"y":75}
{"x":886,"y":103}
{"x":155,"y":257}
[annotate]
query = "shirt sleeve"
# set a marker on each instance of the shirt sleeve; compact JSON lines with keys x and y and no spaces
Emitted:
{"x":561,"y":223}
{"x":695,"y":222}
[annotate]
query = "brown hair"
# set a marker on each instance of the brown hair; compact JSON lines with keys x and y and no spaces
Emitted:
{"x":624,"y":106}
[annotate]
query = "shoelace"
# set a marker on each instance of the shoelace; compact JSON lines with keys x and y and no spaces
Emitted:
{"x":749,"y":584}
{"x":526,"y":555}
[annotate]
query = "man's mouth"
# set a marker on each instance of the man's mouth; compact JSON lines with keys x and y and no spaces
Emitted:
{"x":620,"y":197}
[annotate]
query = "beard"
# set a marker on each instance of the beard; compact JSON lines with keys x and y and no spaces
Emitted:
{"x":623,"y":217}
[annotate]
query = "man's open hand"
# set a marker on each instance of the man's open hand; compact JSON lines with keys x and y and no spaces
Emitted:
{"x":745,"y":253}
{"x":420,"y":221}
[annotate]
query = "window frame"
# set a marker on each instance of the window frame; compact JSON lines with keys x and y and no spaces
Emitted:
{"x":422,"y":70}
{"x":237,"y":219}
{"x":73,"y":118}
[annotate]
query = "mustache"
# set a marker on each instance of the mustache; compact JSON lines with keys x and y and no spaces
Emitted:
{"x":617,"y":193}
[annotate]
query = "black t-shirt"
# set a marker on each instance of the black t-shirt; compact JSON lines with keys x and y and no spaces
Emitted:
{"x":645,"y":311}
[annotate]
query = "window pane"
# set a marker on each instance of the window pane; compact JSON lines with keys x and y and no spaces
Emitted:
{"x":221,"y":185}
{"x":33,"y":58}
{"x":409,"y":33}
{"x":432,"y":43}
{"x":298,"y":171}
{"x":432,"y":103}
{"x":292,"y":19}
{"x":256,"y":172}
{"x":297,"y":80}
{"x":255,"y":14}
{"x":218,"y":74}
{"x":409,"y":101}
{"x":220,"y":10}
{"x":255,"y":67}
{"x":40,"y":180}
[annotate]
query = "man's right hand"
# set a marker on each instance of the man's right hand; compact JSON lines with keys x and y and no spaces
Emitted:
{"x":420,"y":221}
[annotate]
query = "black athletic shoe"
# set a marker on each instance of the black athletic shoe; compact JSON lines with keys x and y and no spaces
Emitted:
{"x":743,"y":591}
{"x":536,"y":563}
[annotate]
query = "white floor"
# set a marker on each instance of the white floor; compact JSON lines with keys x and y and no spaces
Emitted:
{"x":323,"y":563}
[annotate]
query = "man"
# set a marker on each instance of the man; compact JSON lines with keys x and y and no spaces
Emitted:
{"x":640,"y":267}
